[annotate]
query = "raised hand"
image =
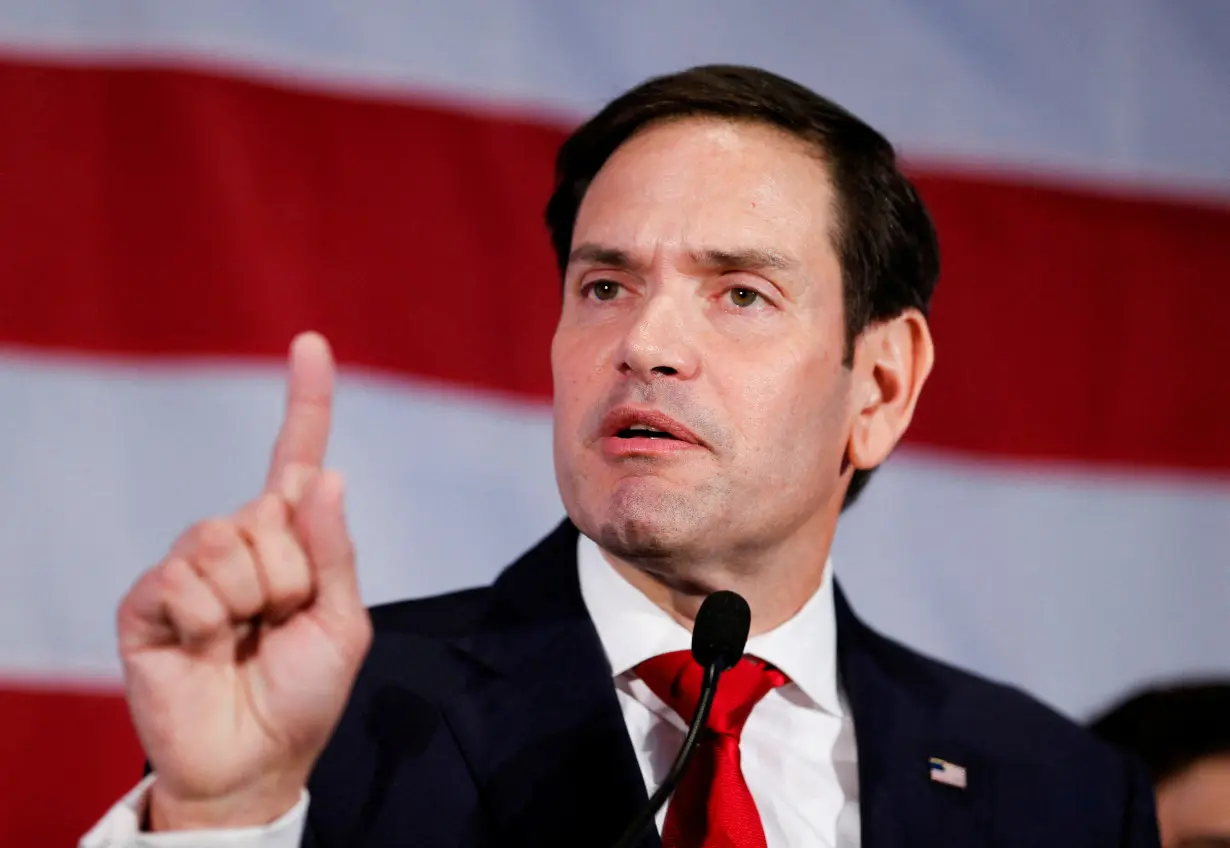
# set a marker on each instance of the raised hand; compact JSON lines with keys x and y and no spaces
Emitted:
{"x":240,"y":648}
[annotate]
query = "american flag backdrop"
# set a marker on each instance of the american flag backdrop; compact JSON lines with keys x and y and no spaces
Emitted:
{"x":183,"y":186}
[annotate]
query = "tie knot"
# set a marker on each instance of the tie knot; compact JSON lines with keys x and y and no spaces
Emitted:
{"x":676,"y":678}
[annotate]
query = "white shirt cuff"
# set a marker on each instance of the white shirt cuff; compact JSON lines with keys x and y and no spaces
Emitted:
{"x":121,"y":828}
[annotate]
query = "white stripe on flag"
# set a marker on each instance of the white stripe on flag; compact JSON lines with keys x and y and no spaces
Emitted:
{"x":1061,"y":582}
{"x":1135,"y":90}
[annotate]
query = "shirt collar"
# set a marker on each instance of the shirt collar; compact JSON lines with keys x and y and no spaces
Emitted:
{"x":632,"y":629}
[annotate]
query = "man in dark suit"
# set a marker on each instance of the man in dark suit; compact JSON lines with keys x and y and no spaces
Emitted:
{"x":743,"y":339}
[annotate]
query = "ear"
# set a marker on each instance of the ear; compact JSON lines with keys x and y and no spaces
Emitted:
{"x":892,"y":360}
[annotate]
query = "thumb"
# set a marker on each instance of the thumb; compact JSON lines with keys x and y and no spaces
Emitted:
{"x":320,"y":524}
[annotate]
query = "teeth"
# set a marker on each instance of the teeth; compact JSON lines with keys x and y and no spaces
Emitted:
{"x":645,"y":428}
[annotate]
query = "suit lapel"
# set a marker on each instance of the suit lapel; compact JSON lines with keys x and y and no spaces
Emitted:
{"x":541,"y":729}
{"x":542,"y":732}
{"x":898,"y":718}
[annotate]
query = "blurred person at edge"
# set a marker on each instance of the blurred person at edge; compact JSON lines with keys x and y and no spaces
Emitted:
{"x":746,"y":276}
{"x":1182,"y":734}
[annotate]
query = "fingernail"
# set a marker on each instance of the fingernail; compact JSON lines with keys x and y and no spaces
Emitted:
{"x":293,"y":482}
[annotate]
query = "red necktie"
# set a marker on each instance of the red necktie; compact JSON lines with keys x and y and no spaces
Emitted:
{"x":711,"y":806}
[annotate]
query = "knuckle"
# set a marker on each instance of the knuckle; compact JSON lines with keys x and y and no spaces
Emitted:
{"x":239,"y":584}
{"x":288,"y":575}
{"x":216,"y":536}
{"x":212,"y":616}
{"x":293,"y":560}
{"x":177,"y":585}
{"x":186,"y":542}
{"x":196,"y":620}
{"x":172,"y":577}
{"x":145,"y":584}
{"x":294,"y":481}
{"x":261,"y":514}
{"x":193,"y":614}
{"x":245,"y":516}
{"x":289,"y":588}
{"x":271,"y":509}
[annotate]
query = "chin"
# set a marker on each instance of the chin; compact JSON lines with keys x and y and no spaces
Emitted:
{"x":637,"y":541}
{"x":636,"y":522}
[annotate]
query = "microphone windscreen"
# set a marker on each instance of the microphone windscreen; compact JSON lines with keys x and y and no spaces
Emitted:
{"x":720,"y":632}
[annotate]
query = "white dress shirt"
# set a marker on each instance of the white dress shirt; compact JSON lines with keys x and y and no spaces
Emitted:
{"x":797,"y":750}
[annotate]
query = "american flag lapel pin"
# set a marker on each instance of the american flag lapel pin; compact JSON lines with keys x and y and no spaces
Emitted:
{"x":947,"y":773}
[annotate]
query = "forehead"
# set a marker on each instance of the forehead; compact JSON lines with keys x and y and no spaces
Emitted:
{"x":709,"y":183}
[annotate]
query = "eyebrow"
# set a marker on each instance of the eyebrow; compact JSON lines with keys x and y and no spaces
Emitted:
{"x":743,"y":259}
{"x":597,"y":254}
{"x":746,"y":259}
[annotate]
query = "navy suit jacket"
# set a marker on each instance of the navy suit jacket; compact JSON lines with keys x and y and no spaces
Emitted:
{"x":489,"y":718}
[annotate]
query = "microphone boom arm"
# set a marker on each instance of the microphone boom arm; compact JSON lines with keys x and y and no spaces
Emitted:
{"x":707,"y":691}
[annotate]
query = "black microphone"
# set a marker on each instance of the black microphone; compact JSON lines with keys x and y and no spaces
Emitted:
{"x":718,"y":639}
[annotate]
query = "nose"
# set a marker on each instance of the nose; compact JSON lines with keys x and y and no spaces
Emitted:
{"x":659,"y":342}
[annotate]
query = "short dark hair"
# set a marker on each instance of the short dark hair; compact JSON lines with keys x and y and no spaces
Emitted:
{"x":885,"y":238}
{"x":1170,"y":728}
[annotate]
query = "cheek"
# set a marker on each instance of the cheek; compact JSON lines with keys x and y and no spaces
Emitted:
{"x":789,"y":410}
{"x":771,"y":390}
{"x":570,"y":358}
{"x":575,"y":367}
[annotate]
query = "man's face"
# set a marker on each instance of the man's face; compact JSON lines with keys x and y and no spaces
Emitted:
{"x":703,"y":300}
{"x":1193,"y":807}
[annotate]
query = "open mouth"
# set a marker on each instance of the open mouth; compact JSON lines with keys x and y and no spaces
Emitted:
{"x":638,"y":431}
{"x":639,"y":425}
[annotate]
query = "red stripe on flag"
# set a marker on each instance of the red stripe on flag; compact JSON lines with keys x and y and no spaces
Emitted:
{"x":152,"y":213}
{"x":1078,"y":326}
{"x":158,"y":212}
{"x":67,"y":758}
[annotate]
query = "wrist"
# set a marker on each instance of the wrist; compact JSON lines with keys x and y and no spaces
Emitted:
{"x":254,"y":807}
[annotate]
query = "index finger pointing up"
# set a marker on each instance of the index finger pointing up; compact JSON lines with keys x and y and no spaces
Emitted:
{"x":309,"y":407}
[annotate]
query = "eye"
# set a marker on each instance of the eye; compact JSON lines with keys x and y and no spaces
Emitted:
{"x":744,"y":297}
{"x":602,"y":290}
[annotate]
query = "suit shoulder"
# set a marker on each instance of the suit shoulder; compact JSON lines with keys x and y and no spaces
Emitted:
{"x":999,"y":716}
{"x":1048,"y":759}
{"x":412,"y":648}
{"x":1018,"y":721}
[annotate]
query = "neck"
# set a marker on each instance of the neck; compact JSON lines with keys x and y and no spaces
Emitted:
{"x":775,"y":583}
